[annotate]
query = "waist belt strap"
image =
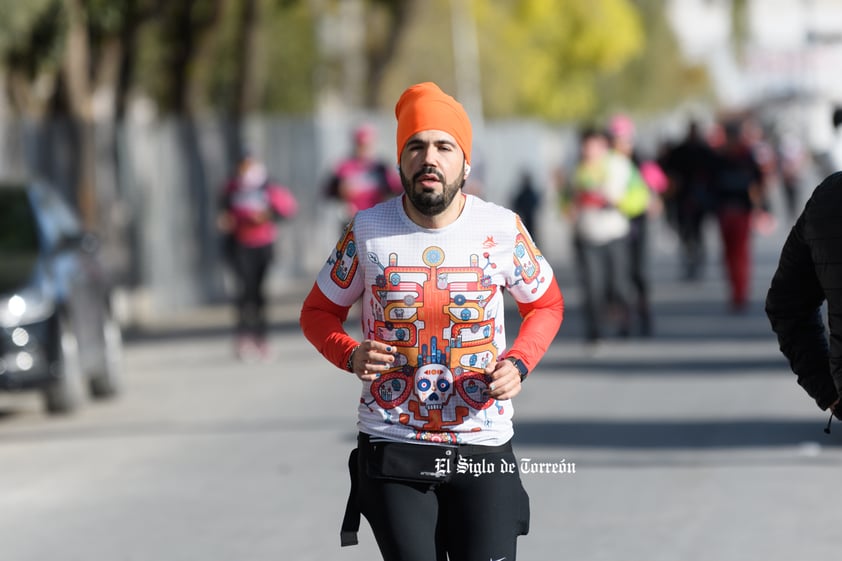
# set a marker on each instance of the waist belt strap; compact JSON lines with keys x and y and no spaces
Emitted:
{"x":477,"y":449}
{"x":463,"y":449}
{"x":351,"y":521}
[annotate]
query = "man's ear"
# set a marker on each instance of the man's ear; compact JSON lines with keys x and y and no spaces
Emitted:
{"x":465,"y":175}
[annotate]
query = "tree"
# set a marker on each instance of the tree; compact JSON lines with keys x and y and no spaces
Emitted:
{"x":58,"y":55}
{"x":76,"y":78}
{"x":380,"y":47}
{"x":655,"y":78}
{"x":544,"y":58}
{"x":30,"y":37}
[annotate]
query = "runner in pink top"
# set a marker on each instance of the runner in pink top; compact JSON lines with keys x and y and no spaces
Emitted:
{"x":362,"y":180}
{"x":251,"y":205}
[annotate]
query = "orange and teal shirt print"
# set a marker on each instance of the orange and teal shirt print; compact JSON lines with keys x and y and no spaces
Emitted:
{"x":436,"y":296}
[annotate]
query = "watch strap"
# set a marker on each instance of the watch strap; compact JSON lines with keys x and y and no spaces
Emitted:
{"x":521,"y":367}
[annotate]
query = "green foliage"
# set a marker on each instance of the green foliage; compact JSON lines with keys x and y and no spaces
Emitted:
{"x":290,"y":57}
{"x":543,"y":57}
{"x":17,"y":19}
{"x":152,"y":78}
{"x":424,"y":53}
{"x":107,"y":16}
{"x":657,"y":77}
{"x":559,"y":60}
{"x":284,"y":57}
{"x":31,"y":36}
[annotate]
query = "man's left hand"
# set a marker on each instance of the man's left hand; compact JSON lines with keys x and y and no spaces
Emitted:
{"x":505,"y":380}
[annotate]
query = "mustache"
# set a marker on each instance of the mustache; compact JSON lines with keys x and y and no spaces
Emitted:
{"x":429,"y":170}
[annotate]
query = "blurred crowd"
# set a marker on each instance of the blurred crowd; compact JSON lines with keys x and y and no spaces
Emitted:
{"x":724,"y":173}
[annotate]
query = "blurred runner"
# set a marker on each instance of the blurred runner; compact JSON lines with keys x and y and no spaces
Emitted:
{"x":623,"y":141}
{"x":362,"y":180}
{"x":689,"y":167}
{"x":738,"y":188}
{"x":250,"y":205}
{"x":591,"y":201}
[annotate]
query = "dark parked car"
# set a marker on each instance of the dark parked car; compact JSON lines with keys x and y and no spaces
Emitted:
{"x":58,"y":334}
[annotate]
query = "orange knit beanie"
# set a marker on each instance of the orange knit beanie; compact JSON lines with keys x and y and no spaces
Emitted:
{"x":425,"y":107}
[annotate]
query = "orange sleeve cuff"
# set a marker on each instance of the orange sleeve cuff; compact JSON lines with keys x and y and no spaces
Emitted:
{"x":322,"y":322}
{"x":541,"y":320}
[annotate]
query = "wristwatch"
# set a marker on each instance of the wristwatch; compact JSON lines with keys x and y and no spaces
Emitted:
{"x":521,"y":367}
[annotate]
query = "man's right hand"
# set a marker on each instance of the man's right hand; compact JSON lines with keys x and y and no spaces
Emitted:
{"x":371,"y":359}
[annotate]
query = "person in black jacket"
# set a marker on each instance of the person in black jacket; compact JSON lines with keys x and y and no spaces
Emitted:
{"x":808,"y":274}
{"x":689,"y":166}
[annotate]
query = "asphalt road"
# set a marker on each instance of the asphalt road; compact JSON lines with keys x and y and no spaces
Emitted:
{"x":694,"y":445}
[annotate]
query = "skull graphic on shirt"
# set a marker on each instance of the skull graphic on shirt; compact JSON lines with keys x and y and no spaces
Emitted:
{"x":433,"y":386}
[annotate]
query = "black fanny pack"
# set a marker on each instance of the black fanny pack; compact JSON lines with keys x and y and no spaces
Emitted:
{"x":397,"y":461}
{"x":402,"y":461}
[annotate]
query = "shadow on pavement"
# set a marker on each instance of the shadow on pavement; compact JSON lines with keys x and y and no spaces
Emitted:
{"x":708,"y":366}
{"x":678,"y":434}
{"x":166,"y":429}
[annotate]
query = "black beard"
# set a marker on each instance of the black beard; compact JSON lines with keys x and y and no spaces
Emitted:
{"x":431,"y":204}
